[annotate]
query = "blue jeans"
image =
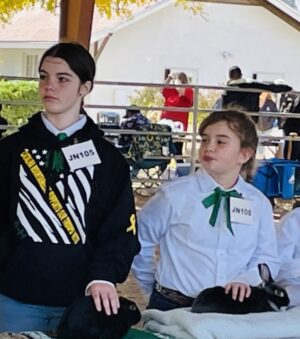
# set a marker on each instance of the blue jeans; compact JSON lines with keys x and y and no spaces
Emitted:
{"x":17,"y":317}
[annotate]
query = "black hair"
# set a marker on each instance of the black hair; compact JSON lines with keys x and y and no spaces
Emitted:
{"x":183,"y":77}
{"x":76,"y":56}
{"x":235,"y":72}
{"x":133,"y":109}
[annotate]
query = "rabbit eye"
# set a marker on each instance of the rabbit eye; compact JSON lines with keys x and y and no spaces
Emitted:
{"x":279,"y":293}
{"x":132,"y":307}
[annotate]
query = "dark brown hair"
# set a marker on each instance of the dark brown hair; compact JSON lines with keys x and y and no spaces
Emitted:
{"x":243,"y":127}
{"x":183,"y":78}
{"x":76,"y":56}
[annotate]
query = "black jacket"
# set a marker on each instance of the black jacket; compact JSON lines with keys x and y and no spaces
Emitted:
{"x":249,"y":101}
{"x":292,"y":124}
{"x":64,"y":228}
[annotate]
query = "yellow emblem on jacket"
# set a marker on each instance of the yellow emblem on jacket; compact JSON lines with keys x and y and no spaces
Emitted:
{"x":132,"y":226}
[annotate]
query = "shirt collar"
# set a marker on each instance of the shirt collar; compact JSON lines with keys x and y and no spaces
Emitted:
{"x":208,"y":183}
{"x":69,"y":130}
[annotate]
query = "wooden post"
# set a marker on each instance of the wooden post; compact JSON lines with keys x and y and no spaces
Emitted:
{"x":290,"y":144}
{"x":76,"y":19}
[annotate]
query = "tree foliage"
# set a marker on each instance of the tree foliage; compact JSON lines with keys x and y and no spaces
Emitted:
{"x":107,"y":8}
{"x":122,"y":7}
{"x":19,"y":91}
{"x":9,"y":7}
{"x":148,"y":97}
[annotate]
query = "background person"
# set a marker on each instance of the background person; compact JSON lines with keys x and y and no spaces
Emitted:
{"x":67,"y":217}
{"x":266,"y":104}
{"x":245,"y":101}
{"x":267,"y":126}
{"x":235,"y":75}
{"x":134,"y":120}
{"x":203,"y":244}
{"x":291,"y":125}
{"x":288,"y":235}
{"x":177,"y":97}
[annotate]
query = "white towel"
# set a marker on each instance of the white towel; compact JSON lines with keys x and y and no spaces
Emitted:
{"x":182,"y":324}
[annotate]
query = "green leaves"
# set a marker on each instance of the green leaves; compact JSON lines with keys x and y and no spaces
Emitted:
{"x":26,"y":100}
{"x":8,"y":7}
{"x":109,"y":8}
{"x":148,"y":97}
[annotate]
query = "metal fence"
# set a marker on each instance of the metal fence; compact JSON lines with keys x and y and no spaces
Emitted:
{"x":192,"y":136}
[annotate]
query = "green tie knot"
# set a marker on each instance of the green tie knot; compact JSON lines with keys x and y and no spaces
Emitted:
{"x":215,"y":200}
{"x":62,"y":136}
{"x":56,"y":158}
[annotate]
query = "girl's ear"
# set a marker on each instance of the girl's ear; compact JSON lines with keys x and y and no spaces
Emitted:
{"x":245,"y":155}
{"x":85,"y":88}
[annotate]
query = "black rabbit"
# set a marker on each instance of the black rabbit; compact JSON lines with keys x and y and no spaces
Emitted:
{"x":81,"y":320}
{"x":265,"y":297}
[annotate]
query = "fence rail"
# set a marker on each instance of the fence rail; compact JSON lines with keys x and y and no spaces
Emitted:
{"x":190,"y":136}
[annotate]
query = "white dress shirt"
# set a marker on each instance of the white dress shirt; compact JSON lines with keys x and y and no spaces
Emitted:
{"x":195,"y":255}
{"x":288,"y":235}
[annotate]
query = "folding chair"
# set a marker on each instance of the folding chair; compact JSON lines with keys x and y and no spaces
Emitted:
{"x":149,"y":155}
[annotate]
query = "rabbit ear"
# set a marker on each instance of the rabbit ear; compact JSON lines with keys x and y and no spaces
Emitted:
{"x":265,"y":273}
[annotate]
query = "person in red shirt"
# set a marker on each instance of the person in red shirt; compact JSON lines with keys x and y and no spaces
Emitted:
{"x":177,"y":97}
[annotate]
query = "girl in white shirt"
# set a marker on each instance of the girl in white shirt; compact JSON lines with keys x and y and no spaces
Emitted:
{"x":288,"y":235}
{"x":213,"y":228}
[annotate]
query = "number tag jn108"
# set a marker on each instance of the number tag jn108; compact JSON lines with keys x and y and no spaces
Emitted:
{"x":241,"y":211}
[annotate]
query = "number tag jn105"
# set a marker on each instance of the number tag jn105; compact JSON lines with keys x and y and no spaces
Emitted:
{"x":81,"y":155}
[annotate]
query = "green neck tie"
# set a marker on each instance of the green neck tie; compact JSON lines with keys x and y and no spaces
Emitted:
{"x":58,"y":158}
{"x":215,"y":199}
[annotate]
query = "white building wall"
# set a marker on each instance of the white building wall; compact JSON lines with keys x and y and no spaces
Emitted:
{"x":10,"y":62}
{"x":206,"y":46}
{"x":249,"y":36}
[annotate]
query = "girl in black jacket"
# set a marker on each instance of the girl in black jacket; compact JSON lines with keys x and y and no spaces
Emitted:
{"x":67,"y":212}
